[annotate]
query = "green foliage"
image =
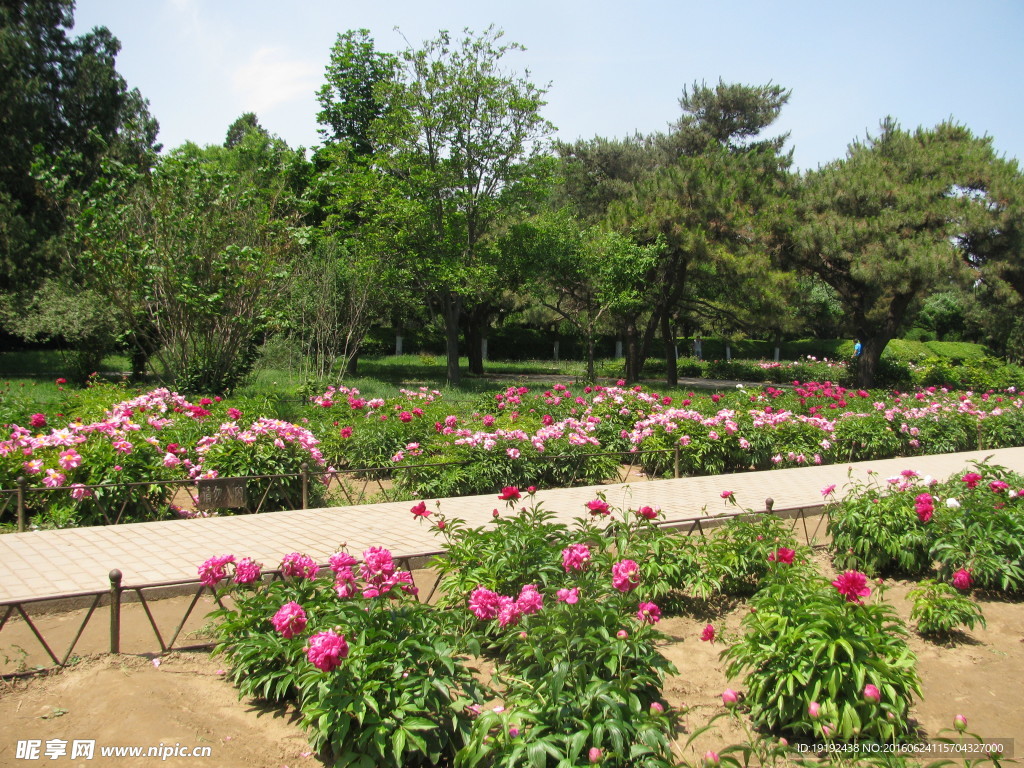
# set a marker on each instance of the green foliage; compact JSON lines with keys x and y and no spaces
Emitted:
{"x":803,"y":643}
{"x":973,"y":521}
{"x":734,"y":559}
{"x":939,"y":609}
{"x":400,"y":696}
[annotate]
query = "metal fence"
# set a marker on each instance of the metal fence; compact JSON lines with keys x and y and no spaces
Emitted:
{"x":114,"y":503}
{"x":810,"y":521}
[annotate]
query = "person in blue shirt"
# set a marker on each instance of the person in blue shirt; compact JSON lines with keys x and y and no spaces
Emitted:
{"x":857,"y":348}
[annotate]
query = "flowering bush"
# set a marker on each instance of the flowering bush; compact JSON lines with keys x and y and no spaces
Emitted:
{"x":970,"y":525}
{"x":821,"y":660}
{"x":375,"y":674}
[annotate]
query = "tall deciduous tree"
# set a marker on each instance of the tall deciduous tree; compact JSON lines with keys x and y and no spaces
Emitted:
{"x":193,"y":258}
{"x":458,"y":138}
{"x":63,"y":110}
{"x":901,"y":213}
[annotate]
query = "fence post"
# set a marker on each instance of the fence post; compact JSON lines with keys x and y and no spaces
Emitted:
{"x":675,"y":462}
{"x":304,"y":472}
{"x":768,"y":504}
{"x":21,"y":481}
{"x":115,"y":611}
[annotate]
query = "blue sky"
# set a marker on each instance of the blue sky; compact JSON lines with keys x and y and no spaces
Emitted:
{"x":614,"y":68}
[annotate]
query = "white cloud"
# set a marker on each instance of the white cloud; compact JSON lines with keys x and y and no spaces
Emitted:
{"x":270,"y":78}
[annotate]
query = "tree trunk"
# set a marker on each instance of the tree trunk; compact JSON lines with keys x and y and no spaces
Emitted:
{"x":632,"y":354}
{"x":590,"y":357}
{"x":671,"y":368}
{"x":452,"y":315}
{"x":474,"y":346}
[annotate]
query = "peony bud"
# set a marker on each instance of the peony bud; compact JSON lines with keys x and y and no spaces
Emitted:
{"x":960,"y":723}
{"x":814,"y":710}
{"x":730,"y":698}
{"x":657,"y":708}
{"x":594,"y":755}
{"x":711,"y":759}
{"x":872,"y":694}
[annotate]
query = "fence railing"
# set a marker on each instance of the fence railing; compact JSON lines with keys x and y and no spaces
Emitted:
{"x":809,"y":519}
{"x":113,"y":503}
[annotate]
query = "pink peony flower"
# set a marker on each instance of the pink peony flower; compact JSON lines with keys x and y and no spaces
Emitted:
{"x":377,"y":564}
{"x":783,"y":555}
{"x":326,"y":650}
{"x":214,"y":570}
{"x":247,"y":571}
{"x":570,"y":596}
{"x":625,"y":575}
{"x":70,"y":459}
{"x":962,"y":579}
{"x":508,"y":611}
{"x":853,"y":585}
{"x":289,"y":620}
{"x":708,"y":635}
{"x":484,"y":604}
{"x":340,"y":560}
{"x":727,"y":494}
{"x":828,"y":490}
{"x":599,"y":507}
{"x":299,"y":565}
{"x":575,"y":557}
{"x":648,"y":613}
{"x":530,"y":600}
{"x":594,"y":755}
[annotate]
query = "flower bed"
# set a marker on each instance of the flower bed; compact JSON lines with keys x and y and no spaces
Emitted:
{"x":429,"y":448}
{"x":568,"y":619}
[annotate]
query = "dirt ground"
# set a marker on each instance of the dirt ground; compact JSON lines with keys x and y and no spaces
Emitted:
{"x":181,"y":699}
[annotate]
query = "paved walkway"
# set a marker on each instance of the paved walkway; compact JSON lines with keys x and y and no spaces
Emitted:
{"x":44,"y":564}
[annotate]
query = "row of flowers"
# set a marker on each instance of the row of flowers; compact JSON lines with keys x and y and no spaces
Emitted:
{"x":497,"y":440}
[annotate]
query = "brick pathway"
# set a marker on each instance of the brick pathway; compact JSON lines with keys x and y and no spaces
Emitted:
{"x":45,"y":564}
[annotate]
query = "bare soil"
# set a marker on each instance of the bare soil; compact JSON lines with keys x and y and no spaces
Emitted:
{"x":182,"y":698}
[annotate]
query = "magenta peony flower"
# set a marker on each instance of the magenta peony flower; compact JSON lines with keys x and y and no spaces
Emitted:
{"x":420,"y":510}
{"x":484,"y":604}
{"x":214,"y":570}
{"x":37,"y":420}
{"x":853,"y":585}
{"x":625,"y":575}
{"x":289,"y":620}
{"x":575,"y":557}
{"x":326,"y":650}
{"x":508,"y":611}
{"x":648,"y":613}
{"x":509,"y":493}
{"x":299,"y":565}
{"x":247,"y":571}
{"x":727,"y":494}
{"x":377,"y":564}
{"x":782,"y":555}
{"x":828,"y":490}
{"x":972,"y":479}
{"x":708,"y":635}
{"x":599,"y":507}
{"x":962,"y":579}
{"x":530,"y":600}
{"x":648,"y":513}
{"x":340,"y":560}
